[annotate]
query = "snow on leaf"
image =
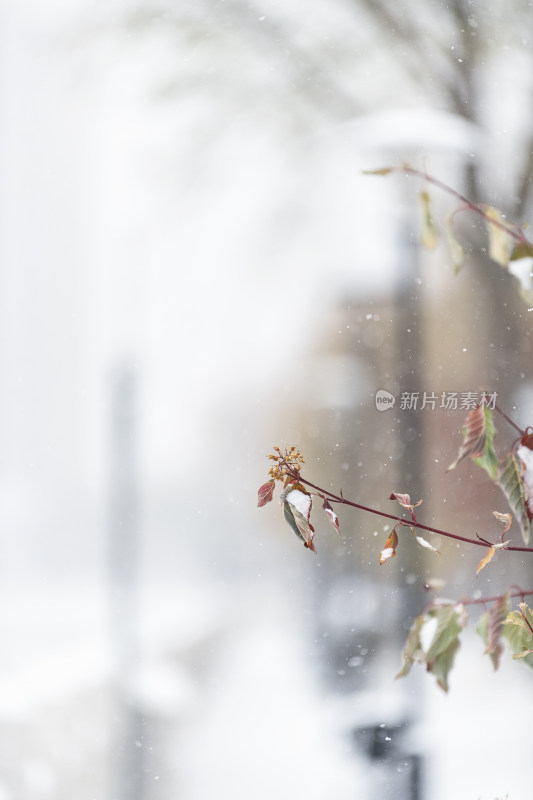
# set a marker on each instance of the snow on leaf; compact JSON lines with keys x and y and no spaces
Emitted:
{"x":430,"y":234}
{"x":501,"y":545}
{"x":423,"y":543}
{"x":500,"y":242}
{"x":521,"y":266}
{"x":458,"y":254}
{"x":512,"y":485}
{"x":473,"y":437}
{"x":265,"y":493}
{"x":489,"y":555}
{"x":333,"y":518}
{"x":297,"y":504}
{"x":507,"y":519}
{"x":389,"y":551}
{"x":301,"y":501}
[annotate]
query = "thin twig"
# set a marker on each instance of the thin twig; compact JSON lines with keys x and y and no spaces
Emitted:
{"x":333,"y":498}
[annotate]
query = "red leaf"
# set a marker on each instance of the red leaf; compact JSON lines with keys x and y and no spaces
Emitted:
{"x":527,"y":439}
{"x":333,"y":518}
{"x":497,"y":615}
{"x":474,"y":437}
{"x":525,"y":456}
{"x":403,"y":499}
{"x":265,"y":493}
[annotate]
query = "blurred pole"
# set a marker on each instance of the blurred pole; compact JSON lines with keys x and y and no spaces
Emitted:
{"x":408,"y":306}
{"x":127,"y":745}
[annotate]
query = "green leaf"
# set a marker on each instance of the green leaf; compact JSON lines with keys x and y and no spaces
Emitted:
{"x":451,"y":620}
{"x":287,"y":512}
{"x":482,"y":628}
{"x":457,"y":251}
{"x":488,"y":460}
{"x":430,"y":233}
{"x":519,"y":636}
{"x":413,"y":647}
{"x":511,"y":483}
{"x":443,"y":663}
{"x":522,"y":250}
{"x":449,"y":626}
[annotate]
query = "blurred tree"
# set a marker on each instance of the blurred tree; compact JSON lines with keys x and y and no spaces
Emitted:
{"x":347,"y":57}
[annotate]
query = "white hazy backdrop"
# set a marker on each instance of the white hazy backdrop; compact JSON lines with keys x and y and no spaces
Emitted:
{"x":174,"y":211}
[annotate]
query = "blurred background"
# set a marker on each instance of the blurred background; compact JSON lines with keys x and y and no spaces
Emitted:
{"x":193,"y":269}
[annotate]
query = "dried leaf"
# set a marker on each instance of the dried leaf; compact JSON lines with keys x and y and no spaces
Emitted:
{"x":512,"y":485}
{"x":523,"y":654}
{"x":404,"y":500}
{"x":430,"y":234}
{"x":389,"y":551}
{"x":458,"y":254}
{"x":473,"y":437}
{"x":333,"y":518}
{"x":381,"y":171}
{"x":489,"y":555}
{"x":507,"y":519}
{"x":265,"y":493}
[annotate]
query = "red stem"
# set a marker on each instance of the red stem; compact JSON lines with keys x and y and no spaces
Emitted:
{"x":518,"y":593}
{"x":509,"y":420}
{"x":336,"y":499}
{"x":477,"y":209}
